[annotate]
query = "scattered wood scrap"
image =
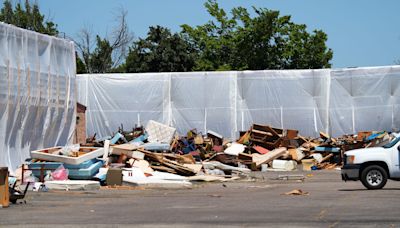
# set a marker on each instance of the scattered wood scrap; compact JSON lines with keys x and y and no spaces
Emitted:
{"x":162,"y":160}
{"x":296,"y":192}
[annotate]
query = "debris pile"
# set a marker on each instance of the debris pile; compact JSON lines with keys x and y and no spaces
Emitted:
{"x":156,"y":156}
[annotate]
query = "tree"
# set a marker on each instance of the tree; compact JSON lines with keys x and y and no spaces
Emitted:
{"x":102,"y":55}
{"x":160,"y":51}
{"x":80,"y":66}
{"x":214,"y":41}
{"x":27,"y":17}
{"x":7,"y":13}
{"x":266,"y":41}
{"x":101,"y":61}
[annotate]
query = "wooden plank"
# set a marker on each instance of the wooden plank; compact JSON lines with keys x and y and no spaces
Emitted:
{"x":245,"y":138}
{"x":160,"y":158}
{"x":106,"y":149}
{"x":4,"y":193}
{"x":195,"y":167}
{"x":245,"y":157}
{"x":163,"y":169}
{"x":291,"y":134}
{"x":261,"y":132}
{"x":361,"y":135}
{"x":265,"y":158}
{"x":180,"y":169}
{"x":296,"y":154}
{"x":186,"y":159}
{"x":326,"y":136}
{"x":126,"y":146}
{"x":326,"y":158}
{"x":130,"y":153}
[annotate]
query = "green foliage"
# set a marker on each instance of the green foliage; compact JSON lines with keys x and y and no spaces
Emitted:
{"x":101,"y":60}
{"x":160,"y":51}
{"x":105,"y":55}
{"x":119,"y":69}
{"x":27,"y":17}
{"x":80,"y":66}
{"x":266,"y":41}
{"x":234,"y":41}
{"x":7,"y":13}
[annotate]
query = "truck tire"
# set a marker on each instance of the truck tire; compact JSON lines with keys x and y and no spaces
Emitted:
{"x":374,"y":177}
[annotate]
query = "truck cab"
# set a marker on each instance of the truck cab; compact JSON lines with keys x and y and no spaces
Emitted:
{"x":373,"y":166}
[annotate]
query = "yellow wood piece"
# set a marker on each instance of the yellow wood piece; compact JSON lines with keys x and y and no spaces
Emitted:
{"x":4,"y":193}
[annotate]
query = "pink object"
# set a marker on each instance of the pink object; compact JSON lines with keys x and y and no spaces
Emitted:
{"x":194,"y":153}
{"x":218,"y":148}
{"x":60,"y":173}
{"x":260,"y":149}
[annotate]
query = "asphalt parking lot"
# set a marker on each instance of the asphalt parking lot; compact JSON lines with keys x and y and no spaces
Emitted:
{"x":329,"y":203}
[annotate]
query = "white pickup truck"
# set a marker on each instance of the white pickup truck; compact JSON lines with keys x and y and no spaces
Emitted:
{"x":373,"y":166}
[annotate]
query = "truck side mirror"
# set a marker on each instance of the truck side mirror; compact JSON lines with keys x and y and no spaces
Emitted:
{"x":398,"y":148}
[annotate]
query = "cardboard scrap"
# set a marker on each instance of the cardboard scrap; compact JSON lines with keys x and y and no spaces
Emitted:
{"x":296,"y":154}
{"x":235,"y":149}
{"x":195,"y":167}
{"x":143,"y":165}
{"x":296,"y":192}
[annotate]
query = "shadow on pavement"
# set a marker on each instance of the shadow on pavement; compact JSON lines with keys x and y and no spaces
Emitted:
{"x":364,"y":189}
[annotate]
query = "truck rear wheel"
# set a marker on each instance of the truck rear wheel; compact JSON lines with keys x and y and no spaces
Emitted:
{"x":374,"y":177}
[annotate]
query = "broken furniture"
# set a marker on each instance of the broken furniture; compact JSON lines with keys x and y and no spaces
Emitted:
{"x":164,"y":162}
{"x":216,"y":139}
{"x":4,"y":192}
{"x":53,"y":154}
{"x":39,"y":170}
{"x":266,"y":136}
{"x":16,"y":194}
{"x":67,"y":185}
{"x":159,"y":132}
{"x":130,"y":135}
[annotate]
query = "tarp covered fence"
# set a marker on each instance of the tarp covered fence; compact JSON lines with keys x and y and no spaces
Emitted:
{"x":37,"y":93}
{"x":337,"y":101}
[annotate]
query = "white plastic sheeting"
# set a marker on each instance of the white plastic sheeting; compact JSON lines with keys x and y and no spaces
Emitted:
{"x":335,"y":101}
{"x":37,"y":93}
{"x":365,"y":99}
{"x":290,"y":99}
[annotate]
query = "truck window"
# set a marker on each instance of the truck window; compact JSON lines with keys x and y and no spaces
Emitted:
{"x":392,"y":143}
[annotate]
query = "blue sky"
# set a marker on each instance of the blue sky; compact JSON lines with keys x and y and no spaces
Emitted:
{"x":361,"y":33}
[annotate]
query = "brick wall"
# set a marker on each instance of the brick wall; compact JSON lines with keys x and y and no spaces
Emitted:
{"x":80,"y":136}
